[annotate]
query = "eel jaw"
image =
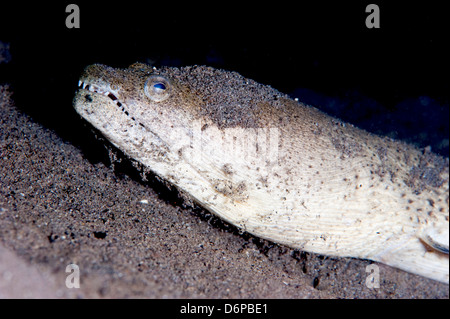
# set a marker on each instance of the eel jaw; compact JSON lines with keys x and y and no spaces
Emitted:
{"x":85,"y":85}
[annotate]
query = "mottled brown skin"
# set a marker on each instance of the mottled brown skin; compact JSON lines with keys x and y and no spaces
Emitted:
{"x":329,"y":187}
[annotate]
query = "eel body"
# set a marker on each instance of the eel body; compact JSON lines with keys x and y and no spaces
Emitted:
{"x":274,"y":167}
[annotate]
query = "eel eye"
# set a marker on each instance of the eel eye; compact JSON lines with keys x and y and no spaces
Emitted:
{"x":157,"y":88}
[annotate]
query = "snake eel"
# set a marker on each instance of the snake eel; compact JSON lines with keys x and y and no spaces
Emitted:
{"x":275,"y":167}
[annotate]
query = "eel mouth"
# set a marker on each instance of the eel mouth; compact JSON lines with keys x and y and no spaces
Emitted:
{"x":84,"y":85}
{"x":99,"y":90}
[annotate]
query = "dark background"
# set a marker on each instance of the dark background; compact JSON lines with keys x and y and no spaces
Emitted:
{"x":392,"y":81}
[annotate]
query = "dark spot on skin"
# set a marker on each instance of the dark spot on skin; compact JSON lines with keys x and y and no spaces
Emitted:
{"x":88,"y":98}
{"x":241,"y":188}
{"x":431,"y":202}
{"x":410,"y":201}
{"x":227,"y":169}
